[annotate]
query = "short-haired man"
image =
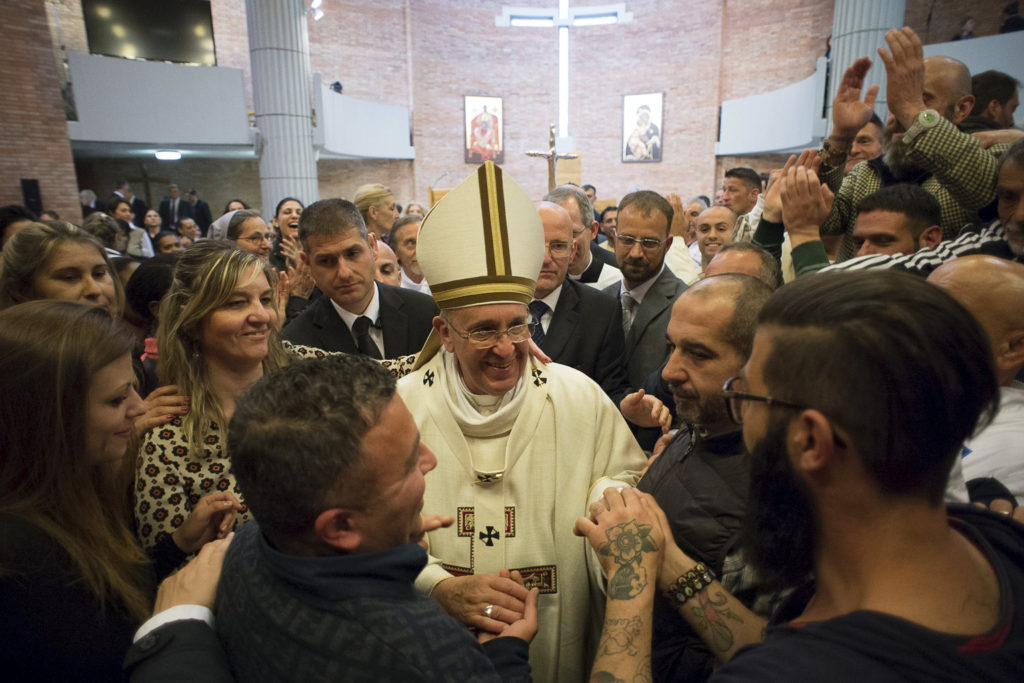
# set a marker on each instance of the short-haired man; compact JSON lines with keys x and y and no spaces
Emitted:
{"x":748,"y":259}
{"x":526,"y":446}
{"x":992,"y":289}
{"x":715,"y":228}
{"x":609,"y":223}
{"x":847,"y":478}
{"x":591,"y":193}
{"x":647,"y":288}
{"x":387,"y":270}
{"x":320,"y":584}
{"x":358,"y":314}
{"x":927,"y":98}
{"x":173,"y":207}
{"x":574,"y":324}
{"x":677,"y":257}
{"x":702,"y":477}
{"x":591,"y":264}
{"x":897,"y":219}
{"x":996,"y":96}
{"x":867,"y":144}
{"x":403,"y":239}
{"x":741,"y":192}
{"x":200,"y":211}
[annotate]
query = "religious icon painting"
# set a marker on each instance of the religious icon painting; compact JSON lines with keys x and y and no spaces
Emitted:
{"x":641,"y":126}
{"x":484,"y":135}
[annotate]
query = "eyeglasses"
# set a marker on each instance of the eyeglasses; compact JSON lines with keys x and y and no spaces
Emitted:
{"x":259,"y":239}
{"x":557,"y":249}
{"x":484,"y":339}
{"x":648,"y":243}
{"x":734,"y":400}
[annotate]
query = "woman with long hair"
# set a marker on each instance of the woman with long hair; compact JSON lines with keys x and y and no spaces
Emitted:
{"x":217,"y":335}
{"x":74,"y":583}
{"x":58,"y":261}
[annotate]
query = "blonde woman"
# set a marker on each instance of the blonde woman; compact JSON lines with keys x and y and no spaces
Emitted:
{"x":217,"y":335}
{"x":377,"y":205}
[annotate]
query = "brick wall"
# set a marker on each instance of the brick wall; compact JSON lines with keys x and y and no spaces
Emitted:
{"x":428,"y":54}
{"x":33,"y":132}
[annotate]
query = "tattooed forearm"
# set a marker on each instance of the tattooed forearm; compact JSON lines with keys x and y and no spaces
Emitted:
{"x":711,"y":613}
{"x":627,"y":542}
{"x":620,"y":636}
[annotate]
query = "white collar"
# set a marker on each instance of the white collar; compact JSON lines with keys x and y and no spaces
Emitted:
{"x":372,"y":310}
{"x":552,"y":298}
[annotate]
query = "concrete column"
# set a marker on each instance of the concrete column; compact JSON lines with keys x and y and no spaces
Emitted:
{"x":858,"y":30}
{"x":281,"y":89}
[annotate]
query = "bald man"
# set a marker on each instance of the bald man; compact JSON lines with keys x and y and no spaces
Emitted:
{"x":921,"y":144}
{"x":992,"y":289}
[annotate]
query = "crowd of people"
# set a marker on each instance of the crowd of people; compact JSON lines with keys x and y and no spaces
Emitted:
{"x":775,"y":434}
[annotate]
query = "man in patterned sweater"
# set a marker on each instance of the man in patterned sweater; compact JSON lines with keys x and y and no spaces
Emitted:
{"x":921,"y":143}
{"x":320,"y":586}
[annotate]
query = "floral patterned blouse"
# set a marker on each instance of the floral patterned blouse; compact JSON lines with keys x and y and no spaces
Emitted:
{"x":170,"y":478}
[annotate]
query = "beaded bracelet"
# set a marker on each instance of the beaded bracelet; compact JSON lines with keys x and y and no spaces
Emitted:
{"x":689,"y":584}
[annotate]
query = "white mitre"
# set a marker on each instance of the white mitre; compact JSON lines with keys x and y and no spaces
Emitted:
{"x":482,"y":243}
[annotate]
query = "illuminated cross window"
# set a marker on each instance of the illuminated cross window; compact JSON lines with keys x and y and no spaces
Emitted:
{"x":564,"y":18}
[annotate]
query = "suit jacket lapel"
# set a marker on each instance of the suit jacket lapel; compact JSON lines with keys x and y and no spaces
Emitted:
{"x":563,"y":321}
{"x":394,"y":323}
{"x":658,"y":298}
{"x":333,"y":331}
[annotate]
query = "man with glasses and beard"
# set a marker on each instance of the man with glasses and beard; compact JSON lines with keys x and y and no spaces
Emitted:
{"x":921,"y":144}
{"x":857,"y":397}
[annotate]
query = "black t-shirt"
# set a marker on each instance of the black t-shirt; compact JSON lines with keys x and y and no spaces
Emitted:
{"x":872,"y":646}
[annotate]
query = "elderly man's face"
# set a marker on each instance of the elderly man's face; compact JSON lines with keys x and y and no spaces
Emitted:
{"x":866,"y":145}
{"x":494,"y":369}
{"x":558,"y":246}
{"x":580,"y":235}
{"x":405,"y":240}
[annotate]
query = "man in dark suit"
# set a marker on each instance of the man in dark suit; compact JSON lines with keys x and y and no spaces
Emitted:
{"x":590,"y":263}
{"x":200,"y":211}
{"x":173,"y":208}
{"x":648,"y":288}
{"x":578,"y":325}
{"x":357,"y":315}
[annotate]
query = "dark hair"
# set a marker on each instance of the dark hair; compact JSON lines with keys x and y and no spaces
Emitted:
{"x":401,"y":223}
{"x":231,"y":201}
{"x":295,"y":440}
{"x":1015,"y":155}
{"x":563,"y":192}
{"x":235,"y":224}
{"x":277,"y":209}
{"x":770,"y":270}
{"x":329,"y":217}
{"x":1011,"y":8}
{"x":607,"y":209}
{"x":646,"y":201}
{"x":748,"y":295}
{"x":114,"y":202}
{"x":991,"y":85}
{"x":875,"y":119}
{"x":919,"y":206}
{"x":162,"y":234}
{"x":148,"y":283}
{"x":588,"y":186}
{"x":12,"y":213}
{"x":747,"y":176}
{"x":897,"y":363}
{"x":103,"y":227}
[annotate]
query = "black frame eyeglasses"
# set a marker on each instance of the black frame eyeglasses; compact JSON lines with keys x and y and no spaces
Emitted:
{"x":734,"y":400}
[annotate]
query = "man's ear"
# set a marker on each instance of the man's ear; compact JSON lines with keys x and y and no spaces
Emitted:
{"x":338,"y":528}
{"x":930,"y":237}
{"x":1009,"y":352}
{"x":993,"y":110}
{"x":371,"y":239}
{"x":962,"y":108}
{"x":594,"y":227}
{"x":445,"y":332}
{"x":811,"y":442}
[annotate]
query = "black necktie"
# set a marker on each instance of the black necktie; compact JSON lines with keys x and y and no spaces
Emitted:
{"x":537,"y":310}
{"x":174,"y":211}
{"x":361,"y":327}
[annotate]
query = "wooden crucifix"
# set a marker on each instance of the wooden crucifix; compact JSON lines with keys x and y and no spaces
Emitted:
{"x":552,"y":156}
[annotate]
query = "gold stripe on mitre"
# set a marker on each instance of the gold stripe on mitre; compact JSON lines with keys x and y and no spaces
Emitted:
{"x":484,"y":290}
{"x":495,"y":227}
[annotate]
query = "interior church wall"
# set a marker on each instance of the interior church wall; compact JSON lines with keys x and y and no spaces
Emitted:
{"x":427,"y":54}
